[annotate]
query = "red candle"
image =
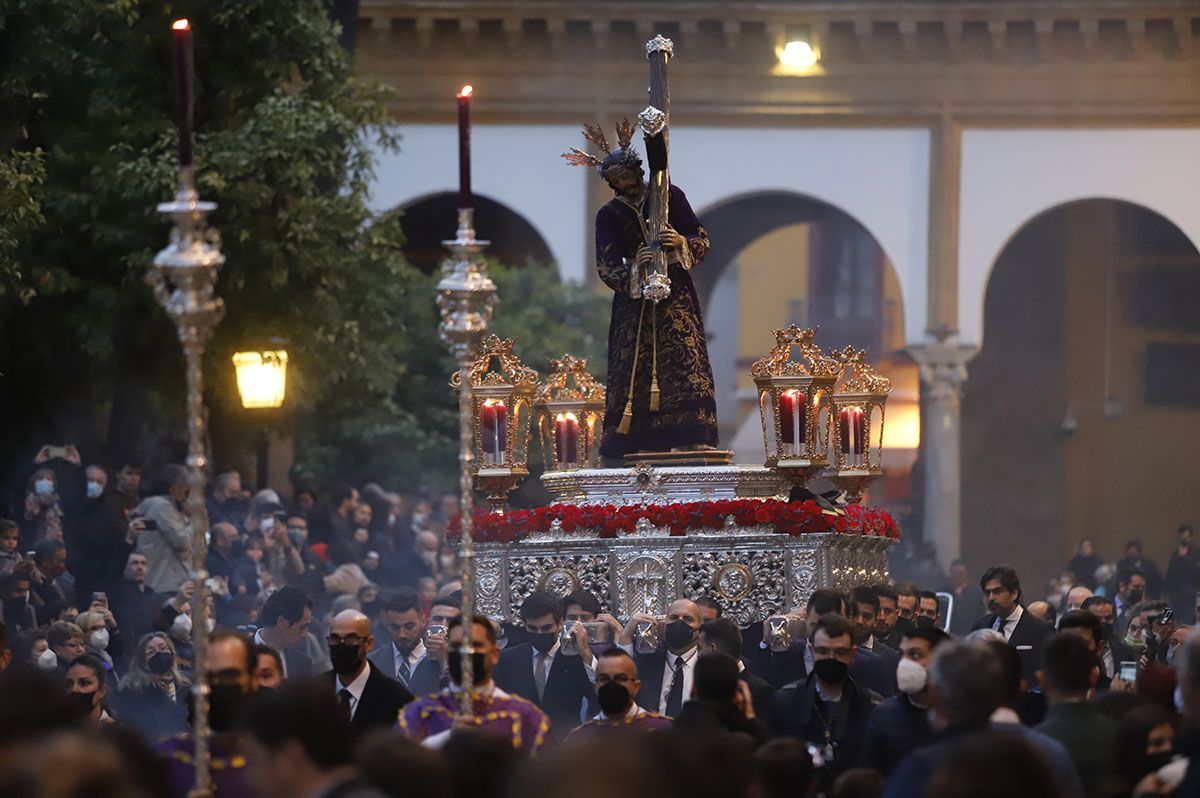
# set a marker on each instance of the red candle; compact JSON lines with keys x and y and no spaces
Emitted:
{"x":572,"y":425}
{"x":493,"y":418}
{"x":853,"y":427}
{"x":860,"y":431}
{"x":465,"y":199}
{"x":185,"y":76}
{"x":792,"y":418}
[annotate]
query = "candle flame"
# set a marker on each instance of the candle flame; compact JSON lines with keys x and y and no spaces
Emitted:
{"x":181,"y":24}
{"x":466,"y":91}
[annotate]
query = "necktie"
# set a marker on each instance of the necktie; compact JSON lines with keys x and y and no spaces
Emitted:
{"x":344,"y":699}
{"x":675,"y":694}
{"x":539,"y":674}
{"x":405,"y":673}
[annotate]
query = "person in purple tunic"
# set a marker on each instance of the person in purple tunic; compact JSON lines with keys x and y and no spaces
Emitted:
{"x":660,"y":390}
{"x":617,"y":685}
{"x":431,"y":720}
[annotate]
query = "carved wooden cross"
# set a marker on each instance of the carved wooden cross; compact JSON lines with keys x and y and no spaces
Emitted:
{"x":655,"y":122}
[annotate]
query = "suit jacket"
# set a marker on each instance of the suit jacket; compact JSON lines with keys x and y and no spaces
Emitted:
{"x":426,"y":679}
{"x":761,"y":691}
{"x":567,"y":685}
{"x":1028,"y":638}
{"x":889,"y":658}
{"x":381,"y":701}
{"x":650,"y":672}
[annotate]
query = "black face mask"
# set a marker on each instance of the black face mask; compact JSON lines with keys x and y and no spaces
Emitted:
{"x":346,"y":659}
{"x":1106,"y":629}
{"x":82,"y":703}
{"x":160,"y":663}
{"x":225,"y":702}
{"x":923,"y":622}
{"x":1156,"y":761}
{"x":479,"y":674}
{"x":543,"y":641}
{"x":614,"y":699}
{"x":831,"y":671}
{"x":904,"y":624}
{"x":679,"y":635}
{"x":1135,"y":595}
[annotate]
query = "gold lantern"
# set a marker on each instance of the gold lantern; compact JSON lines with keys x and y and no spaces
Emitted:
{"x":570,"y":409}
{"x":794,"y":400}
{"x":261,"y":378}
{"x":858,"y":410}
{"x":500,"y":417}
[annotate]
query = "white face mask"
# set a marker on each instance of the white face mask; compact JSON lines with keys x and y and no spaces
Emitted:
{"x":94,"y":489}
{"x":100,"y":639}
{"x":47,"y":660}
{"x":911,"y":678}
{"x":267,"y":524}
{"x":181,"y":628}
{"x":43,"y":487}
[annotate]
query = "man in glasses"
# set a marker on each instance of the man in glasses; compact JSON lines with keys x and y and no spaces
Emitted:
{"x":369,"y":698}
{"x":617,"y":687}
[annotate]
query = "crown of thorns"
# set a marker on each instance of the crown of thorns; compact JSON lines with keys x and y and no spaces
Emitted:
{"x":622,"y":157}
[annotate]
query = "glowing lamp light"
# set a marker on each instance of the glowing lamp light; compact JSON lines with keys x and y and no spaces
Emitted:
{"x":261,"y":378}
{"x":798,"y":52}
{"x":466,"y":91}
{"x":181,"y":24}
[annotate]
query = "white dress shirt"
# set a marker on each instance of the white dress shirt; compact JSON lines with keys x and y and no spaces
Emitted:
{"x":589,"y":666}
{"x":1007,"y":625}
{"x":689,"y":658}
{"x":282,"y":659}
{"x":634,"y":711}
{"x":414,"y":659}
{"x":355,"y":688}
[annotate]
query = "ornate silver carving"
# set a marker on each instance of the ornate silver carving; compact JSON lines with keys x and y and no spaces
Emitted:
{"x":560,"y":581}
{"x":645,"y":585}
{"x":528,"y":573}
{"x":748,"y":584}
{"x":657,"y":287}
{"x":646,"y":483}
{"x":804,"y":576}
{"x":660,"y":43}
{"x":652,"y":121}
{"x":489,"y":588}
{"x":644,"y":529}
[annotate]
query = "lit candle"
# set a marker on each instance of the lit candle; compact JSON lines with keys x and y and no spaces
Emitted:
{"x":853,"y":425}
{"x":792,"y":420}
{"x":560,"y":439}
{"x":860,"y":427}
{"x":501,"y":431}
{"x":493,"y":418}
{"x":185,"y":76}
{"x":465,"y":199}
{"x":572,"y":438}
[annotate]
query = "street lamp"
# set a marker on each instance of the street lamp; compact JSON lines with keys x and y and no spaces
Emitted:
{"x":262,"y":385}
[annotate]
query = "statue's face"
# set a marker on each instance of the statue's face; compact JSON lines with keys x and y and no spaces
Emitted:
{"x":624,"y":181}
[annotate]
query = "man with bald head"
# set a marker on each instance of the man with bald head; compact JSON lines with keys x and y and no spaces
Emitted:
{"x":366,"y":694}
{"x":667,"y":673}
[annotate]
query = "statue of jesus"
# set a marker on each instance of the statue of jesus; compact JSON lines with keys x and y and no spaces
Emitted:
{"x":660,"y":388}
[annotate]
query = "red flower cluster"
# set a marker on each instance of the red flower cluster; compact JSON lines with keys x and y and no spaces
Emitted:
{"x":609,"y":521}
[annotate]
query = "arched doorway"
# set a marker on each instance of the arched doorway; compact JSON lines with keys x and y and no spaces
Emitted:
{"x":780,"y":258}
{"x":1079,"y":416}
{"x":429,"y":221}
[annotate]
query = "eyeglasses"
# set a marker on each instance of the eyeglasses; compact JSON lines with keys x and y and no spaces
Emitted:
{"x":349,"y":640}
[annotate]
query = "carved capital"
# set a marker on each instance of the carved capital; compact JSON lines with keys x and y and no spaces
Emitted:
{"x":943,"y":367}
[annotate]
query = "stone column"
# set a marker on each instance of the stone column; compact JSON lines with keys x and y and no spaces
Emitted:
{"x":943,"y":367}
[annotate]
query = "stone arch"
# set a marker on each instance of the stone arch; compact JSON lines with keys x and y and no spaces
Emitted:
{"x":430,"y":219}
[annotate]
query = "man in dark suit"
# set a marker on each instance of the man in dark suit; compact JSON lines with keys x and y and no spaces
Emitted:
{"x":285,"y":619}
{"x":722,"y":636}
{"x":367,"y":696}
{"x":403,"y":657}
{"x":539,"y":671}
{"x":864,"y":609}
{"x":1002,"y":592}
{"x":667,"y":673}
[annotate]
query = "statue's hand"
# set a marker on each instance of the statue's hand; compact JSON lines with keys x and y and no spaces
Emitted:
{"x":669,"y":239}
{"x":644,"y":256}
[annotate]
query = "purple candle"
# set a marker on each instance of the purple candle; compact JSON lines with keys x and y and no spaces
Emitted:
{"x":465,"y":200}
{"x":185,"y":77}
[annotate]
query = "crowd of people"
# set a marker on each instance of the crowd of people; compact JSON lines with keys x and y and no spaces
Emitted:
{"x":335,"y":666}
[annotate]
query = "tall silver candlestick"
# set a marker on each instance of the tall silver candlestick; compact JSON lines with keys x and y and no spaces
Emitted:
{"x":466,"y":298}
{"x":184,"y":279}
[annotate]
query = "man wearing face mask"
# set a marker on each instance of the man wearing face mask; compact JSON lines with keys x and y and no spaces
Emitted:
{"x":403,"y":655}
{"x":617,"y":687}
{"x":722,"y":636}
{"x":167,"y":540}
{"x":827,"y":708}
{"x":368,"y":696}
{"x":95,"y":538}
{"x":667,"y":673}
{"x":559,"y":683}
{"x":1131,"y":589}
{"x":900,"y":725}
{"x":230,"y":669}
{"x":431,"y":720}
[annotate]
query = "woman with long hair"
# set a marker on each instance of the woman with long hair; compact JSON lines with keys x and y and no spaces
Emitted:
{"x":153,"y":693}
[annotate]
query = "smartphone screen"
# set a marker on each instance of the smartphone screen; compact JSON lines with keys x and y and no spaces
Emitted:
{"x":1128,"y":672}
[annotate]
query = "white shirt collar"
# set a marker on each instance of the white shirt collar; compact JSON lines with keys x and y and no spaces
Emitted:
{"x":549,"y":654}
{"x":418,"y":653}
{"x":688,"y":657}
{"x":357,"y":686}
{"x":1014,"y":616}
{"x":634,"y":711}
